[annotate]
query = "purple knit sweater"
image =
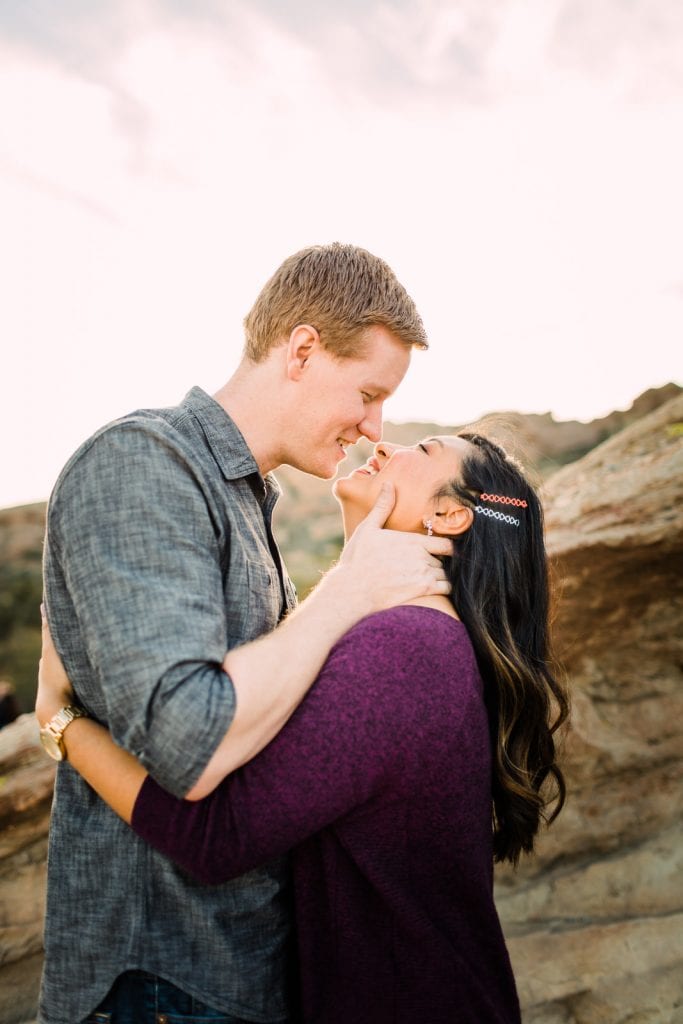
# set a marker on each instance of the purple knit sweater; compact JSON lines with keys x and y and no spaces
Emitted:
{"x":380,"y":785}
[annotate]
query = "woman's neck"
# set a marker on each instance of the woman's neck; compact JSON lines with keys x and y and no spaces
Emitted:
{"x":438,"y":602}
{"x":351,"y":518}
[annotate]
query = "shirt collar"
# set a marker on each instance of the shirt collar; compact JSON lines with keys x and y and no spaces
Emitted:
{"x":224,"y":438}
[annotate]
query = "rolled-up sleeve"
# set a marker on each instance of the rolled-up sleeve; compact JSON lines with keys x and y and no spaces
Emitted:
{"x":131,"y":530}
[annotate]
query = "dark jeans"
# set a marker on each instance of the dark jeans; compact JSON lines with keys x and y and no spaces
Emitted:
{"x":140,"y":998}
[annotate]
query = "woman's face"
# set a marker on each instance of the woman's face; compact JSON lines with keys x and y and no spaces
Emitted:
{"x":417,"y":473}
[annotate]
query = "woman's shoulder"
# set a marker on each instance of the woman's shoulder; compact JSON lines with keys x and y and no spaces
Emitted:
{"x":411,"y":669}
{"x":406,"y":619}
{"x":407,"y":635}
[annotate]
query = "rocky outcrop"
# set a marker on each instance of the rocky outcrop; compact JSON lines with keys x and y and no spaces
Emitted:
{"x":21,"y":531}
{"x":26,"y":780}
{"x":595,"y":921}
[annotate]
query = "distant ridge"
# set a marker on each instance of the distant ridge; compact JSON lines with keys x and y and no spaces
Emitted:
{"x":549,"y":443}
{"x":307,"y":520}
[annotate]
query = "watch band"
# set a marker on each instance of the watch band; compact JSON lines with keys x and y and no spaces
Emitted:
{"x":51,"y":735}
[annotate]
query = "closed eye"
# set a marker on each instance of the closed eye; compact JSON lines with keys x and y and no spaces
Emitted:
{"x":422,"y":448}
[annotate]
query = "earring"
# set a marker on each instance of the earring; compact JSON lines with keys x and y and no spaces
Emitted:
{"x":427,"y":523}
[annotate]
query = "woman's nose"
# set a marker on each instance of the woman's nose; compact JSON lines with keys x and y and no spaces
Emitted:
{"x":385,"y":449}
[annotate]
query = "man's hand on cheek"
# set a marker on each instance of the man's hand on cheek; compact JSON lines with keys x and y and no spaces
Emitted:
{"x":383,"y":568}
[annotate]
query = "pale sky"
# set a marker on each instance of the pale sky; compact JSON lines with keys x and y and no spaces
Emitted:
{"x":518,"y":162}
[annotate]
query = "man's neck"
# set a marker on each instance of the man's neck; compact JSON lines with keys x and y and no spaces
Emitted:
{"x":248,"y":398}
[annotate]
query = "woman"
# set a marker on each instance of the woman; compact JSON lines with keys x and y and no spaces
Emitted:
{"x":420,"y":756}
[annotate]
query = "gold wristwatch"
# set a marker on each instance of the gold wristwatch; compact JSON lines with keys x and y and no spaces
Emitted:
{"x":51,"y":735}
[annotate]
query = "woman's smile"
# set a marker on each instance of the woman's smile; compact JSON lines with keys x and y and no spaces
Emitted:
{"x":371,"y":467}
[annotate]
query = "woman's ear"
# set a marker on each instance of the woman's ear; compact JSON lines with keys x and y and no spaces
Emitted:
{"x":302,"y":342}
{"x":451,"y":518}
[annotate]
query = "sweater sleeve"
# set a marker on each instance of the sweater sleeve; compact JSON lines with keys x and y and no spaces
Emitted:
{"x":339,"y":748}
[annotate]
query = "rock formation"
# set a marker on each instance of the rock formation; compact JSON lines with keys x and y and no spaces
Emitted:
{"x":595,"y":921}
{"x":26,"y":780}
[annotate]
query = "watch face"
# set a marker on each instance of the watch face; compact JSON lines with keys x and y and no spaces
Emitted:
{"x":51,"y":745}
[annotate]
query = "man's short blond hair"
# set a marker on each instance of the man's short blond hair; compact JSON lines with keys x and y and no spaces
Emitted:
{"x":341,"y":290}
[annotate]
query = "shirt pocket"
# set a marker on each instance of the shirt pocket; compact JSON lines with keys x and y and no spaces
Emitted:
{"x":264,"y":599}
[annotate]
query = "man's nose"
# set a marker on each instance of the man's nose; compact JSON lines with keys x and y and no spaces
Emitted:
{"x":371,"y":427}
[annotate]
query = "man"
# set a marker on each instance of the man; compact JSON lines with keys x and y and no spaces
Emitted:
{"x":160,"y":558}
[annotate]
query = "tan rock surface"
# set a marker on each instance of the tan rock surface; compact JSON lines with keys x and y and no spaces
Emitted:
{"x":595,"y":921}
{"x":26,"y":780}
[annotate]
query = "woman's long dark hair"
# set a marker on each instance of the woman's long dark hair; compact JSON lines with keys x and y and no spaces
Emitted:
{"x":500,"y":589}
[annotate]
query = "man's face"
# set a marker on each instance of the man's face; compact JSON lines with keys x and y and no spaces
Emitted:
{"x":341,"y":401}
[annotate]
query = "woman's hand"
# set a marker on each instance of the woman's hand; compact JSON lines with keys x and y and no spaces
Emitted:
{"x":54,"y":689}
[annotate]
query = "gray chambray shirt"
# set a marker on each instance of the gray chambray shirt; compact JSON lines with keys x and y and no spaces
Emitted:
{"x":159,"y":557}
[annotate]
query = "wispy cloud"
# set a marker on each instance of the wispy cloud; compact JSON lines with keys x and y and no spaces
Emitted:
{"x":464,"y":51}
{"x":675,"y":289}
{"x":430,"y":52}
{"x":55,"y":190}
{"x":83,"y":42}
{"x":78,"y":36}
{"x":637,"y":44}
{"x":390,"y":53}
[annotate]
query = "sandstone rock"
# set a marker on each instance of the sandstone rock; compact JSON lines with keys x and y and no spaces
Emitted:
{"x":21,"y":532}
{"x":595,"y":921}
{"x":26,"y":781}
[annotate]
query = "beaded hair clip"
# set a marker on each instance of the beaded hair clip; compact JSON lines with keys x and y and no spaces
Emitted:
{"x":493,"y":514}
{"x":500,"y":499}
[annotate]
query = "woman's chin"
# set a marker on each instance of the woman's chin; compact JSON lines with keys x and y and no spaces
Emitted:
{"x":342,"y":488}
{"x":353,"y":502}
